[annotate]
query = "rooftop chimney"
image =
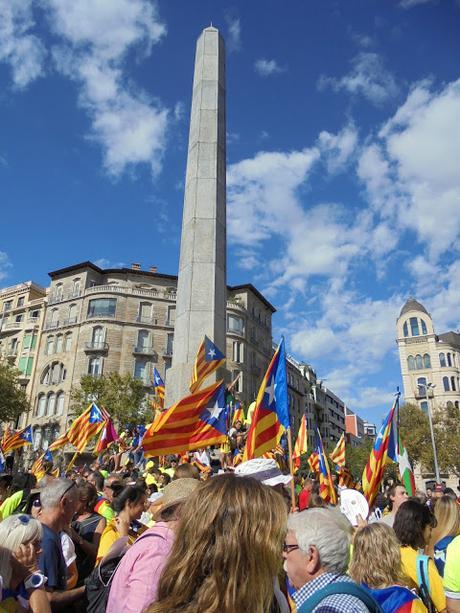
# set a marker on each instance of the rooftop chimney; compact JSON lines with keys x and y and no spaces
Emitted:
{"x":135,"y":266}
{"x":153,"y":269}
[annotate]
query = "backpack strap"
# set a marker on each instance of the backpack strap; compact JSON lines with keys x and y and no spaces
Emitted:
{"x":423,"y":577}
{"x":340,"y":587}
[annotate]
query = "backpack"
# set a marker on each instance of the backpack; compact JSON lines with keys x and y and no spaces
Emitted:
{"x":99,"y":581}
{"x":423,"y":582}
{"x":340,"y":587}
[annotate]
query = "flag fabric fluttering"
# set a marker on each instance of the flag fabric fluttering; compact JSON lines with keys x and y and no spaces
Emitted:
{"x":159,"y":388}
{"x":346,"y":478}
{"x":326,"y":486}
{"x":208,"y":359}
{"x":271,"y":413}
{"x":313,"y":462}
{"x":238,"y":413}
{"x":108,"y":435}
{"x":18,"y":439}
{"x":406,"y":472}
{"x":384,"y":449}
{"x":59,"y":442}
{"x":301,"y":443}
{"x":338,"y":455}
{"x":37,"y":468}
{"x":195,"y":422}
{"x":87,"y":425}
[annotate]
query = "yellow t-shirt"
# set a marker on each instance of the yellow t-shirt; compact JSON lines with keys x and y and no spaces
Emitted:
{"x":409,"y":560}
{"x":452,"y":570}
{"x":108,"y":538}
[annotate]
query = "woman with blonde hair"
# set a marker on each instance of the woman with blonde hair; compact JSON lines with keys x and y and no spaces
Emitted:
{"x":447,"y":513}
{"x":227,"y":550}
{"x":376,"y":565}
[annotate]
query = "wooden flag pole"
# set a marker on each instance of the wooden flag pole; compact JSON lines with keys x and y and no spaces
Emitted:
{"x":72,"y":462}
{"x":291,"y":470}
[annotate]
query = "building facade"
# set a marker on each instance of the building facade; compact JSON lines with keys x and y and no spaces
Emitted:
{"x":430,"y":362}
{"x":354,"y":428}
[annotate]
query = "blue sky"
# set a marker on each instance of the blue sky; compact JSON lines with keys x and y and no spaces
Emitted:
{"x":343,"y":158}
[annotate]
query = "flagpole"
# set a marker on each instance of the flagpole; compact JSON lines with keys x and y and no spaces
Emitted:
{"x":72,"y":461}
{"x":291,"y":469}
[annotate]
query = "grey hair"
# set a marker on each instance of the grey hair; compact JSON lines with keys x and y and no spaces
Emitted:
{"x":51,"y":495}
{"x":15,"y":530}
{"x":321,"y":528}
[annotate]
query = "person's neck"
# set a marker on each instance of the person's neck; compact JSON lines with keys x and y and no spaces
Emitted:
{"x":52,"y":520}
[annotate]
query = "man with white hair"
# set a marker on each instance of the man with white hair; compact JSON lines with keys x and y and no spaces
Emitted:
{"x":58,"y":502}
{"x":316,"y":554}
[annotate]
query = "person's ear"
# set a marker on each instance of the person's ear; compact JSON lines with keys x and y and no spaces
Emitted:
{"x":314,"y":563}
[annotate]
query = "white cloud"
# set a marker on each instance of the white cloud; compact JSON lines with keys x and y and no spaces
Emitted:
{"x":407,"y":4}
{"x":233,"y":34}
{"x":95,"y":39}
{"x":368,"y":77}
{"x":265,"y":68}
{"x":105,"y":263}
{"x":5,"y":265}
{"x":19,"y":47}
{"x":338,"y":148}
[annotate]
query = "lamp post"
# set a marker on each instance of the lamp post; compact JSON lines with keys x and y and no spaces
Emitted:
{"x":431,"y":386}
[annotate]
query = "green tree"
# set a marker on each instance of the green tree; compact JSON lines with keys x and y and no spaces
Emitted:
{"x":13,"y":398}
{"x":446,"y":424}
{"x":356,"y":457}
{"x":122,"y":396}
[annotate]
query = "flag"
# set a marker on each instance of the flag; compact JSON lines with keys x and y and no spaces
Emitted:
{"x":313,"y":462}
{"x":405,"y":469}
{"x":346,"y":478}
{"x":271,"y":413}
{"x":301,"y":443}
{"x":196,"y":421}
{"x":108,"y":435}
{"x":59,"y":442}
{"x":159,"y":388}
{"x":18,"y":439}
{"x":326,"y":486}
{"x":238,"y":414}
{"x":87,"y":425}
{"x":383,"y":450}
{"x":208,"y":359}
{"x":37,"y":467}
{"x":7,"y":434}
{"x":338,"y":455}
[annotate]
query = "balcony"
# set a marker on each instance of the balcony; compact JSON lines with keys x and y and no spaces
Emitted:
{"x":100,"y":315}
{"x":70,"y":321}
{"x":152,"y":321}
{"x":33,"y":320}
{"x":97,"y":347}
{"x":133,"y":291}
{"x":52,"y":325}
{"x":237,"y":332}
{"x":54,"y":298}
{"x":236,"y":305}
{"x":11,"y":353}
{"x":143,"y":350}
{"x":13,"y":325}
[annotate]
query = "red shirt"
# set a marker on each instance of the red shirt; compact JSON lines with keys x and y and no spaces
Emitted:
{"x":304,"y":499}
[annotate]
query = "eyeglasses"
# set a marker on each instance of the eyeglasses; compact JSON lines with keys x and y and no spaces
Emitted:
{"x":36,"y":503}
{"x":67,"y":490}
{"x":288,"y":548}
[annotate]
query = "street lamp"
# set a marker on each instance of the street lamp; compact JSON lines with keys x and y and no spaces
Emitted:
{"x":431,"y":386}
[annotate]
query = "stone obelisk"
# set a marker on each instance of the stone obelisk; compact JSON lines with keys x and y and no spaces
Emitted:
{"x":202,"y":282}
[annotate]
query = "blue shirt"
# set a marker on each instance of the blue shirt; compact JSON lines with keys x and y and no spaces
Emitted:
{"x":336,"y":603}
{"x":440,"y":550}
{"x":51,"y":560}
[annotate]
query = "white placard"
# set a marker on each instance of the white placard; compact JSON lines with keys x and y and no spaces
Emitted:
{"x":352,"y":504}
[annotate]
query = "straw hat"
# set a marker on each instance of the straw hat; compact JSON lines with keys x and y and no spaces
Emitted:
{"x":176,"y":491}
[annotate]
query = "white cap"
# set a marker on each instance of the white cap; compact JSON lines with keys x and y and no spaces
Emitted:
{"x":263,"y":469}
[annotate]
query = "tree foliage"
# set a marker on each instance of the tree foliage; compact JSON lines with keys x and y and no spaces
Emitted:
{"x":122,"y":396}
{"x":13,"y":398}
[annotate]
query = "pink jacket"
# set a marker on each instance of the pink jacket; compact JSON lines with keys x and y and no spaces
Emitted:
{"x":135,"y":584}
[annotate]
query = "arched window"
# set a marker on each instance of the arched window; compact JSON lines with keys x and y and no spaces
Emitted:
{"x":51,"y":405}
{"x":98,"y":336}
{"x":445,"y":382}
{"x":60,"y":403}
{"x":37,"y":438}
{"x":57,"y":372}
{"x":411,"y":362}
{"x":424,"y":330}
{"x":54,"y":317}
{"x":41,"y":404}
{"x":426,"y":360}
{"x":72,"y":313}
{"x":49,"y":345}
{"x":95,"y":366}
{"x":442,"y":360}
{"x":68,"y":342}
{"x":449,"y":360}
{"x":405,"y":330}
{"x":76,"y":288}
{"x":418,"y":361}
{"x":58,"y":291}
{"x":143,"y":339}
{"x":414,"y":326}
{"x":452,"y":384}
{"x":45,"y":378}
{"x":59,"y":343}
{"x":421,"y":383}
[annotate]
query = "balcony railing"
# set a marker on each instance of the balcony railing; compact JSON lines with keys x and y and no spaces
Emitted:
{"x":12,"y":325}
{"x":238,"y":332}
{"x":33,"y":320}
{"x":135,"y":291}
{"x":99,"y":315}
{"x":143,"y":350}
{"x":69,"y":321}
{"x":153,"y":321}
{"x":236,"y":305}
{"x":96,"y":346}
{"x":52,"y":325}
{"x":11,"y":353}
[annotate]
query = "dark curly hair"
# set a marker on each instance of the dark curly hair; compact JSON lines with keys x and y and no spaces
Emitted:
{"x":410,"y":522}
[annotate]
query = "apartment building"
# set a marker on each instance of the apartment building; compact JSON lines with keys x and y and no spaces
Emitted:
{"x":354,"y":428}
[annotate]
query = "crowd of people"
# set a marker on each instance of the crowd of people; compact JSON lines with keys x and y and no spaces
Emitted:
{"x":190,"y":535}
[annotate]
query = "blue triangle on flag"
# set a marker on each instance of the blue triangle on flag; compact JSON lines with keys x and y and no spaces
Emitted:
{"x":215,"y":414}
{"x":95,"y":415}
{"x":211,"y":352}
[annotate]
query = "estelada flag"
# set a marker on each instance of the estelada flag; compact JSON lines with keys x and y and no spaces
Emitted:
{"x":238,"y":414}
{"x":208,"y":359}
{"x":196,"y":421}
{"x":326,"y":486}
{"x":271,"y":413}
{"x":37,"y":468}
{"x":313,"y":462}
{"x":346,"y":478}
{"x":87,"y":425}
{"x":159,"y":388}
{"x":18,"y":439}
{"x":59,"y":442}
{"x":301,"y":443}
{"x":338,"y":455}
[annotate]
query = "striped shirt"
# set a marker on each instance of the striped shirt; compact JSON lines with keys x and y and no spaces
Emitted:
{"x":336,"y":603}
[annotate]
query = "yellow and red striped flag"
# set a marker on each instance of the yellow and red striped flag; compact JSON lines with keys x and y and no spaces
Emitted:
{"x":159,"y":389}
{"x":301,"y":444}
{"x":346,"y":478}
{"x":87,"y":425}
{"x":238,"y":414}
{"x":18,"y":439}
{"x":59,"y":442}
{"x":38,"y":468}
{"x":313,"y":462}
{"x":208,"y":359}
{"x":326,"y":486}
{"x":338,"y":455}
{"x":195,"y":422}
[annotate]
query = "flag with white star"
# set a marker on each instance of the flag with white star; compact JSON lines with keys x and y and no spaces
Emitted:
{"x":271,"y":413}
{"x":208,"y":359}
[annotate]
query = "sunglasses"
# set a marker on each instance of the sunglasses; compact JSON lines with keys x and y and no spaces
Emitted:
{"x":67,"y":490}
{"x":288,"y":548}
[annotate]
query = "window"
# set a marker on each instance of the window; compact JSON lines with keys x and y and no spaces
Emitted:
{"x":38,"y":436}
{"x":442,"y":360}
{"x":98,"y":336}
{"x":143,"y":339}
{"x":41,"y":405}
{"x":30,"y":340}
{"x":76,"y":287}
{"x":237,"y":351}
{"x":445,"y":382}
{"x":418,"y":361}
{"x":102,"y":307}
{"x":95,"y":366}
{"x":145,"y":311}
{"x":68,"y":342}
{"x":59,"y":343}
{"x":414,"y":326}
{"x":140,"y":370}
{"x":235,"y":324}
{"x":21,"y":301}
{"x":421,"y":384}
{"x":34,"y":314}
{"x":449,"y":360}
{"x":171,"y":315}
{"x":54,"y":317}
{"x":56,"y":373}
{"x":7,"y":305}
{"x":50,"y":405}
{"x":239,"y":384}
{"x":426,"y":361}
{"x":58,"y":291}
{"x":72,"y":313}
{"x":424,"y":406}
{"x":19,"y":318}
{"x":60,"y":403}
{"x":170,"y":344}
{"x":423,"y":324}
{"x":452,"y":384}
{"x":49,"y":345}
{"x":411,"y":362}
{"x":405,"y":330}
